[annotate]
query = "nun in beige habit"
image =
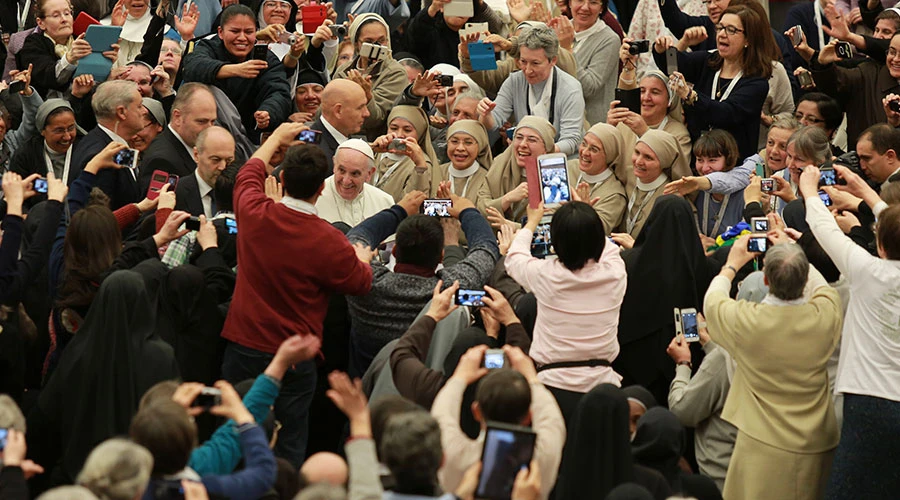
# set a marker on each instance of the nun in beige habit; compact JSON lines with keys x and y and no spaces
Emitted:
{"x":654,"y":155}
{"x":503,"y":190}
{"x":465,"y":175}
{"x":598,"y":157}
{"x":399,"y":172}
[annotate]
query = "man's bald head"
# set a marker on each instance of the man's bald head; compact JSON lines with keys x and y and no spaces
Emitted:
{"x":325,"y":467}
{"x":344,"y":105}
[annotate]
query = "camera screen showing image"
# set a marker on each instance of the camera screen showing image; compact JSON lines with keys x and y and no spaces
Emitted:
{"x":444,"y":80}
{"x":507,"y":450}
{"x":208,"y":398}
{"x":689,"y":324}
{"x":638,"y":47}
{"x":231,"y":224}
{"x":767,"y":185}
{"x":844,"y":50}
{"x":494,"y":359}
{"x":760,"y":224}
{"x":40,"y":185}
{"x":554,"y":181}
{"x":471,"y":298}
{"x":828,"y":177}
{"x":541,"y":246}
{"x":825,"y":198}
{"x":437,"y":208}
{"x":397,"y":145}
{"x":309,"y":136}
{"x":805,"y":78}
{"x":757,"y":244}
{"x":3,"y":434}
{"x":125,"y":158}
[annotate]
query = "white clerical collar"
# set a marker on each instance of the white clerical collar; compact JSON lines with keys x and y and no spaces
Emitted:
{"x":652,"y":186}
{"x":467,"y":172}
{"x":189,"y":149}
{"x":112,"y":135}
{"x":775,"y":301}
{"x":333,"y":131}
{"x":597,"y":178}
{"x":298,"y":205}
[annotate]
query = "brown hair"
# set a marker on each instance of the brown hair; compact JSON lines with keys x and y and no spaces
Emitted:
{"x":761,"y":49}
{"x":168,"y":432}
{"x":93,"y":241}
{"x":39,"y":8}
{"x":715,"y":143}
{"x":887,"y":232}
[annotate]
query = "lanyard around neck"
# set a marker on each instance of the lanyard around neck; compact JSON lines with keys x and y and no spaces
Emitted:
{"x":68,"y":162}
{"x":715,"y":85}
{"x":552,"y":97}
{"x":719,"y":215}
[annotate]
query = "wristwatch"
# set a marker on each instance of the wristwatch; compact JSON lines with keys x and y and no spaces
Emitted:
{"x":685,"y":363}
{"x":690,"y":99}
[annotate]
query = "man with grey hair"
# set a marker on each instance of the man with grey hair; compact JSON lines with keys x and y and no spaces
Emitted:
{"x":411,"y":449}
{"x":348,"y":197}
{"x":120,"y":115}
{"x":779,"y":398}
{"x":539,"y":89}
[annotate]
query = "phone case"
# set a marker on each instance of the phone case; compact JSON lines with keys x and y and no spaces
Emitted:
{"x":82,"y":22}
{"x":481,"y":55}
{"x":671,"y":60}
{"x":313,"y":17}
{"x":534,"y":182}
{"x":630,"y":98}
{"x":679,"y":329}
{"x":556,"y":190}
{"x":459,"y":8}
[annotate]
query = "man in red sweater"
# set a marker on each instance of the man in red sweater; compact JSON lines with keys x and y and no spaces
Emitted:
{"x":289,"y":261}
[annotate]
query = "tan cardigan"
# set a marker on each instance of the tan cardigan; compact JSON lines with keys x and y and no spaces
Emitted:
{"x":613,"y":201}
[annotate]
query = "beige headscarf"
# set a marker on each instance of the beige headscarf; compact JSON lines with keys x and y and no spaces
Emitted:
{"x":664,"y":145}
{"x":475,"y":129}
{"x":673,"y":110}
{"x":362,"y":19}
{"x":419,"y":120}
{"x":505,"y":173}
{"x":611,"y":138}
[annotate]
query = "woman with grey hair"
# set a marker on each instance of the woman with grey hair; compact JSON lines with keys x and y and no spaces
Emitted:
{"x":539,"y":89}
{"x":117,"y":469}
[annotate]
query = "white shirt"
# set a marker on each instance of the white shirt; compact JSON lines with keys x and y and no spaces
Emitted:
{"x":304,"y":207}
{"x":189,"y":149}
{"x":339,"y":137}
{"x":112,"y":135}
{"x":334,"y":208}
{"x":205,"y":196}
{"x":870,"y":344}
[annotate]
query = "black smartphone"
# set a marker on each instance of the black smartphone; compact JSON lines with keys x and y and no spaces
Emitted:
{"x":16,"y":86}
{"x":630,"y":99}
{"x":310,"y":136}
{"x":844,"y":50}
{"x":40,"y":185}
{"x":436,"y":207}
{"x":507,"y":450}
{"x":444,"y":80}
{"x":208,"y":397}
{"x":894,"y":106}
{"x":192,"y":224}
{"x":471,"y":298}
{"x":260,"y":52}
{"x":511,"y":131}
{"x":541,"y":246}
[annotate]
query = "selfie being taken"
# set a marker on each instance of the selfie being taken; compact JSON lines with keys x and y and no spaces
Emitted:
{"x":449,"y":249}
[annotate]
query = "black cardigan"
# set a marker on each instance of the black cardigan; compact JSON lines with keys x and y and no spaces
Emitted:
{"x":38,"y":51}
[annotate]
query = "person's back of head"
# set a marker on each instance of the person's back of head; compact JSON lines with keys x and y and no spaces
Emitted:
{"x":110,"y":95}
{"x":11,"y":416}
{"x":92,"y":243}
{"x":324,"y":467}
{"x":887,"y":233}
{"x":420,"y":241}
{"x":577,"y":234}
{"x":168,"y":432}
{"x":162,"y":391}
{"x":304,"y":171}
{"x":68,"y":493}
{"x":383,"y":409}
{"x":116,"y":469}
{"x":504,"y":396}
{"x":411,"y":449}
{"x":786,"y":269}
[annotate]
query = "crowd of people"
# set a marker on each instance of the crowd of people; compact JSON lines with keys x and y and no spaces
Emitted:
{"x":611,"y":249}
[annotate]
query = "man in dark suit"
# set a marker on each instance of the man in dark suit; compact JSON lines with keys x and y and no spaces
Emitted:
{"x":343,"y":113}
{"x":193,"y":111}
{"x":120,"y":115}
{"x":195,"y":193}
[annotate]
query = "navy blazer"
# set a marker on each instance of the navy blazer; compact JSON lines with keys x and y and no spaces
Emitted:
{"x":187,"y":195}
{"x":168,"y":154}
{"x":328,"y":144}
{"x":119,"y":184}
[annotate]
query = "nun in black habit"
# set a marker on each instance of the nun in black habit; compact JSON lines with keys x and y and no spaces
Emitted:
{"x":106,"y":368}
{"x":667,"y":268}
{"x":597,"y":456}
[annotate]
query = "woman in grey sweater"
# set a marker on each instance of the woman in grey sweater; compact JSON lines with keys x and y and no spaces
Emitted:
{"x":596,"y":48}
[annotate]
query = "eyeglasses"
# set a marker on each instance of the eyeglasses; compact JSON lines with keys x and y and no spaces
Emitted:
{"x":60,"y":14}
{"x":810,"y":119}
{"x":730,"y":30}
{"x":274,"y":4}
